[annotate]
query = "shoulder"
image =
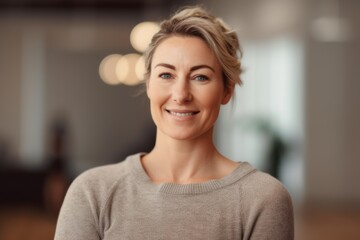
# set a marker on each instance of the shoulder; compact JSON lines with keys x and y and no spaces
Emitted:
{"x":258,"y":189}
{"x":264,"y":187}
{"x":97,"y":182}
{"x":267,"y":207}
{"x":262,"y":194}
{"x":102,"y":174}
{"x":85,"y":203}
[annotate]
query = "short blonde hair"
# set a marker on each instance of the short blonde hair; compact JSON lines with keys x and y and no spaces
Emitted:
{"x":197,"y":22}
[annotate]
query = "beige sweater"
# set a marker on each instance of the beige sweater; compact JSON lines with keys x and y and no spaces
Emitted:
{"x":120,"y":202}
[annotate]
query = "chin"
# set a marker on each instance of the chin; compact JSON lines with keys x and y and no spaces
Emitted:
{"x":185,"y":134}
{"x":181,"y":136}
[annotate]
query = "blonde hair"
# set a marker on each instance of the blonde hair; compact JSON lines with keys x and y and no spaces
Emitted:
{"x":197,"y":22}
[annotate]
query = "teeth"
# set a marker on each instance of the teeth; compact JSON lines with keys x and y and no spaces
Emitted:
{"x":182,"y":114}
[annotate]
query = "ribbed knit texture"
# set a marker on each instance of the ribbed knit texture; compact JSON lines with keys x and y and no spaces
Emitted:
{"x":119,"y":201}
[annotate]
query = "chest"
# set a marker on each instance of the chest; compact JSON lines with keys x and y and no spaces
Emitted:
{"x":172,"y":217}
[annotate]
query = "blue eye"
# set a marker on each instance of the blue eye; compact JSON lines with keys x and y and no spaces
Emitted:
{"x":201,"y":78}
{"x":165,"y":75}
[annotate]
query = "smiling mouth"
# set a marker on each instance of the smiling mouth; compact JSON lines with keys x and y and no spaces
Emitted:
{"x":182,"y":114}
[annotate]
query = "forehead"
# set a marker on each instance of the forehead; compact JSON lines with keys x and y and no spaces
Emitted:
{"x":186,"y":50}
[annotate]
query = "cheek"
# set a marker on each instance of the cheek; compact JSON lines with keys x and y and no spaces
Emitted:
{"x":155,"y":94}
{"x":212,"y":98}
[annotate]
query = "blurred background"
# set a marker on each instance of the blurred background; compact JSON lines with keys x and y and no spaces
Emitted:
{"x":70,"y":99}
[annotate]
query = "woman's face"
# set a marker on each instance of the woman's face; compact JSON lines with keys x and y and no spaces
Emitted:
{"x":185,"y":88}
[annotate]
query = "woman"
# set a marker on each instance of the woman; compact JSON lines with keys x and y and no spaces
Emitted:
{"x":184,"y":188}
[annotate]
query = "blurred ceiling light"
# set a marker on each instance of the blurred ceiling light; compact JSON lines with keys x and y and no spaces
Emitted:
{"x":140,"y":36}
{"x":330,"y":26}
{"x":140,"y":68}
{"x":125,"y":69}
{"x":331,"y":30}
{"x":107,"y":69}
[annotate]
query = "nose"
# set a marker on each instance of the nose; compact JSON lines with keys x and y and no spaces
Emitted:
{"x":181,"y":93}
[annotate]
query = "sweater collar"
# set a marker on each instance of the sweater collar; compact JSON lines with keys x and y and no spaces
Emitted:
{"x":142,"y":178}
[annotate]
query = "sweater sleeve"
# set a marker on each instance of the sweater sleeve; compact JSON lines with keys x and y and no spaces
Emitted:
{"x":270,"y":212}
{"x":78,"y":218}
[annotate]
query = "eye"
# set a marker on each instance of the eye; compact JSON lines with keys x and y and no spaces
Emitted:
{"x":165,"y":75}
{"x":201,"y":78}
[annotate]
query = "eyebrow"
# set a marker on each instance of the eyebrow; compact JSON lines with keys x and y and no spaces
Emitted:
{"x":194,"y":68}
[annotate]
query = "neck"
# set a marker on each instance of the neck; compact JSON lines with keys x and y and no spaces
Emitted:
{"x":182,"y":161}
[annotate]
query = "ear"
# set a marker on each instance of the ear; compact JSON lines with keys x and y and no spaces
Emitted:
{"x":228,"y":93}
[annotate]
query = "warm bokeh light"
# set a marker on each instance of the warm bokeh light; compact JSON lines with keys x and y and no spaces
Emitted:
{"x":122,"y":69}
{"x":129,"y":69}
{"x":141,"y":35}
{"x":117,"y":69}
{"x":107,"y":69}
{"x":140,"y":68}
{"x":125,"y":69}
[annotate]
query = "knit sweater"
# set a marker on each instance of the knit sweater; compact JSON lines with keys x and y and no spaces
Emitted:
{"x":119,"y":201}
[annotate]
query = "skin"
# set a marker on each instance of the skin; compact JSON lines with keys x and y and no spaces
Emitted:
{"x":186,"y":92}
